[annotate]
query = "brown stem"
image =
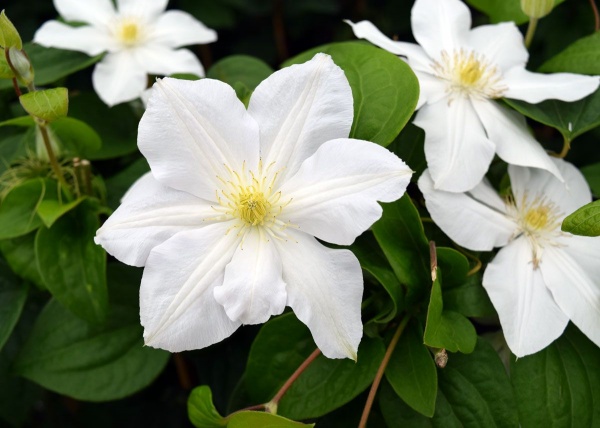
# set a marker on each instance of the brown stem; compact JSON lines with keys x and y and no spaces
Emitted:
{"x":53,"y":162}
{"x":381,"y":371}
{"x":279,"y":30}
{"x":16,"y":86}
{"x":596,"y":15}
{"x":183,"y":372}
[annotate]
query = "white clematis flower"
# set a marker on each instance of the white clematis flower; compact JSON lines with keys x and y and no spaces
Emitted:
{"x":461,"y":71}
{"x":225,"y":223}
{"x":542,"y":277}
{"x":140,"y":38}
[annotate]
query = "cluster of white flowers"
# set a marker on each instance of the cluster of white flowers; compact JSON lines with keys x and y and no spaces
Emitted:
{"x":543,"y":277}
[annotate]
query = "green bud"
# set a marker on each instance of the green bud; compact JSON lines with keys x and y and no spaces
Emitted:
{"x":9,"y":36}
{"x":537,"y":8}
{"x":21,"y":66}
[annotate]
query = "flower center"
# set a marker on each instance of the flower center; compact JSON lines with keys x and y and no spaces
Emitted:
{"x":537,"y":218}
{"x":129,"y":32}
{"x":469,"y":74}
{"x":252,"y":206}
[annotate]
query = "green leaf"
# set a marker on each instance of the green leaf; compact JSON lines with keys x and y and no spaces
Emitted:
{"x":20,"y":256}
{"x":103,"y":362}
{"x":412,"y":372}
{"x":12,"y":299}
{"x":560,"y":385}
{"x":9,"y":36}
{"x":201,"y":410}
{"x":447,"y":329}
{"x":592,"y":175}
{"x":72,"y":266}
{"x":51,"y":210}
{"x":76,"y":137}
{"x":401,"y":237}
{"x":582,"y":57}
{"x":5,"y":70}
{"x":503,"y":10}
{"x":585,"y":221}
{"x":47,"y":104}
{"x":240,"y":68}
{"x":454,"y":265}
{"x":410,"y":147}
{"x":249,"y":419}
{"x":571,"y":119}
{"x":384,"y":88}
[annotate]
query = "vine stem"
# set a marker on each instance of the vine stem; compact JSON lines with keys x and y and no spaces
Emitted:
{"x":596,"y":15}
{"x":381,"y":371}
{"x":530,"y":31}
{"x":53,"y":162}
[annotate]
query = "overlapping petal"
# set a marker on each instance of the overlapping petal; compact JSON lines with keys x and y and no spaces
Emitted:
{"x":176,"y":28}
{"x":96,"y":12}
{"x":502,"y":44}
{"x":86,"y":39}
{"x":118,"y":78}
{"x":164,"y":61}
{"x":334,"y":194}
{"x":145,"y":8}
{"x":325,"y":291}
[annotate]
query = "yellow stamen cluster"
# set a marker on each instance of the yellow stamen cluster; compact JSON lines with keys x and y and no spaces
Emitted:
{"x":129,"y":32}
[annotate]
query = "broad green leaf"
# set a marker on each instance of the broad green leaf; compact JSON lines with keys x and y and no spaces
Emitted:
{"x":503,"y":10}
{"x":13,"y":294}
{"x":51,"y":210}
{"x":409,"y":146}
{"x":240,"y":68}
{"x":592,"y":175}
{"x":582,"y":57}
{"x":119,"y":183}
{"x":201,"y":410}
{"x":18,"y":210}
{"x":571,"y":119}
{"x":24,"y":121}
{"x":47,"y":104}
{"x":20,"y":256}
{"x":11,"y":148}
{"x":72,"y":266}
{"x":384,"y":88}
{"x":454,"y":265}
{"x":585,"y":221}
{"x":88,"y":362}
{"x":401,"y":237}
{"x":9,"y":36}
{"x":412,"y":372}
{"x":447,"y":329}
{"x":560,"y":385}
{"x":249,"y":419}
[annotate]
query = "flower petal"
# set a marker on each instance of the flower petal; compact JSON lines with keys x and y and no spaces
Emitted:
{"x":514,"y":144}
{"x":87,"y":39}
{"x":157,"y":59}
{"x":298,"y":108}
{"x":325,"y":289}
{"x":440,"y":25}
{"x":150,"y":213}
{"x":530,"y":317}
{"x":176,"y":28}
{"x":253,"y":288}
{"x":457,"y":150}
{"x":96,"y":12}
{"x":572,"y":273}
{"x":177,"y":306}
{"x":334,"y":194}
{"x":502,"y":44}
{"x":481,"y":209}
{"x":535,"y":87}
{"x":568,"y":196}
{"x":210,"y":128}
{"x":432,"y":89}
{"x":118,"y":78}
{"x":141,"y":8}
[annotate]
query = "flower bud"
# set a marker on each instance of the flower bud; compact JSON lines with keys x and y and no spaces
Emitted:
{"x":537,"y":8}
{"x":21,"y":66}
{"x":441,"y":358}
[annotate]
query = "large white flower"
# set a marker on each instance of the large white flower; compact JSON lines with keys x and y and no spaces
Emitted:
{"x":542,"y":277}
{"x":140,"y":38}
{"x":461,"y":71}
{"x":225,"y":223}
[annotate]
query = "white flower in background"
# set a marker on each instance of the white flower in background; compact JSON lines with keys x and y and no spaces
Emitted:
{"x":139,"y":38}
{"x":542,"y":277}
{"x":225,"y":223}
{"x":461,"y":71}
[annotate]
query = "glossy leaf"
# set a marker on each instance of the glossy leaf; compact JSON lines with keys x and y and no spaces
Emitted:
{"x":9,"y":36}
{"x":585,"y":221}
{"x":503,"y":10}
{"x":13,"y":294}
{"x":201,"y":410}
{"x":384,"y":88}
{"x":20,"y":256}
{"x":262,"y":420}
{"x":582,"y":57}
{"x":240,"y":68}
{"x":410,"y":147}
{"x":592,"y":175}
{"x":47,"y":104}
{"x":51,"y":210}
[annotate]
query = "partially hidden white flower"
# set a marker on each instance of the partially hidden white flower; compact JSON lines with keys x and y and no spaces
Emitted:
{"x":139,"y":38}
{"x":461,"y":72}
{"x":542,"y":277}
{"x":225,"y":223}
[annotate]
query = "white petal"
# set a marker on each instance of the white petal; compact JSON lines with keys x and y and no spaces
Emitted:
{"x":440,"y":25}
{"x":175,"y":28}
{"x":514,"y":144}
{"x":568,"y":196}
{"x":141,"y":8}
{"x":572,"y":274}
{"x":334,"y":194}
{"x":177,"y":306}
{"x":150,"y":213}
{"x":502,"y":44}
{"x":529,"y":316}
{"x":253,"y":288}
{"x":417,"y":58}
{"x":431,"y":88}
{"x":457,"y":150}
{"x":96,"y":12}
{"x":474,"y":220}
{"x":208,"y":127}
{"x":164,"y":61}
{"x":325,"y":291}
{"x":535,"y":87}
{"x":89,"y":40}
{"x":300,"y":107}
{"x":118,"y":78}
